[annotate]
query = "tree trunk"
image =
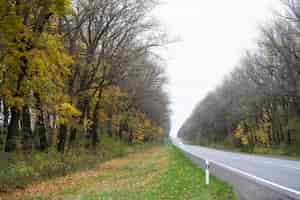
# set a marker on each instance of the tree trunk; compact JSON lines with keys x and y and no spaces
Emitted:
{"x":6,"y":116}
{"x":289,"y":138}
{"x":72,"y":137}
{"x":41,"y":132}
{"x":5,"y":123}
{"x":109,"y":124}
{"x":95,"y":137}
{"x":130,"y":139}
{"x":95,"y":126}
{"x":41,"y":127}
{"x":27,"y":136}
{"x":83,"y":108}
{"x":13,"y":131}
{"x":62,"y":137}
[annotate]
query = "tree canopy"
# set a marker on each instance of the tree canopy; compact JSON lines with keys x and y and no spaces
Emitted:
{"x":71,"y":71}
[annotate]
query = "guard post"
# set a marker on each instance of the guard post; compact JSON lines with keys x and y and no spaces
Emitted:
{"x":206,"y":172}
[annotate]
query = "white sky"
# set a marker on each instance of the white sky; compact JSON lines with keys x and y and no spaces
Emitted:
{"x":213,"y":36}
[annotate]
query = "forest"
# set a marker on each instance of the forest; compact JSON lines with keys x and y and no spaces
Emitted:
{"x":257,"y":106}
{"x":77,"y":76}
{"x":80,"y":68}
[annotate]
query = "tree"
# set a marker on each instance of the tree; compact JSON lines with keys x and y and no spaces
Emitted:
{"x":68,"y":68}
{"x":34,"y":62}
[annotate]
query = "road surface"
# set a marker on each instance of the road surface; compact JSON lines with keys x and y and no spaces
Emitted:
{"x":280,"y":173}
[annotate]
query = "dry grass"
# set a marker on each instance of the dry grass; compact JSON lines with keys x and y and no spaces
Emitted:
{"x":101,"y":178}
{"x":155,"y":173}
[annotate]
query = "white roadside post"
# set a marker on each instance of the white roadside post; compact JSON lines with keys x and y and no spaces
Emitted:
{"x":206,"y":172}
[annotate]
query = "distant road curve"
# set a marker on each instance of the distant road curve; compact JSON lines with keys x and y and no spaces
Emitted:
{"x":254,"y":177}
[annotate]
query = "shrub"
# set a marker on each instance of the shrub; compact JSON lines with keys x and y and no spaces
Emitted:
{"x":22,"y":170}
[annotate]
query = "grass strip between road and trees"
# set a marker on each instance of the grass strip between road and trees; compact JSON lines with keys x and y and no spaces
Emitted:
{"x":160,"y":172}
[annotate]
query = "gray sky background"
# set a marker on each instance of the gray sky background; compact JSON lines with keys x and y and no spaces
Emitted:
{"x":213,"y":36}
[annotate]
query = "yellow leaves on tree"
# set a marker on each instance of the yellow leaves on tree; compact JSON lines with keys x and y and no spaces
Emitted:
{"x":103,"y":116}
{"x":264,"y":130}
{"x":40,"y":70}
{"x":67,"y":113}
{"x":10,"y":23}
{"x":59,"y":7}
{"x":262,"y":137}
{"x":261,"y":132}
{"x":87,"y":123}
{"x":114,"y":102}
{"x":241,"y":134}
{"x":111,"y":101}
{"x":33,"y":62}
{"x":137,"y":125}
{"x":143,"y":128}
{"x":113,"y":98}
{"x":160,"y":131}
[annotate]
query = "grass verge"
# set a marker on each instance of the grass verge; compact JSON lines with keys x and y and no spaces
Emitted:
{"x":17,"y":170}
{"x":155,"y":173}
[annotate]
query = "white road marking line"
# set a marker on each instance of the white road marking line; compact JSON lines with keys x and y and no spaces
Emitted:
{"x":257,"y":178}
{"x":254,"y":177}
{"x":291,"y":167}
{"x":236,"y":158}
{"x":266,"y":162}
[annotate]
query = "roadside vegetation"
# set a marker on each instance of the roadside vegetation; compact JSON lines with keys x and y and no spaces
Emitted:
{"x":19,"y":170}
{"x":157,"y":172}
{"x":257,"y":107}
{"x":71,"y":71}
{"x":79,"y":84}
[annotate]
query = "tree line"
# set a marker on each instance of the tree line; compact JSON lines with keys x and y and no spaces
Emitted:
{"x":71,"y":71}
{"x":258,"y":104}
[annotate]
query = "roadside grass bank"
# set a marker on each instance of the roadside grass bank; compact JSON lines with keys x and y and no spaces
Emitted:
{"x":17,"y":170}
{"x":160,"y":172}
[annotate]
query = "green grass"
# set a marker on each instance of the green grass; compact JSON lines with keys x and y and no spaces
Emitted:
{"x":183,"y":180}
{"x":158,"y":173}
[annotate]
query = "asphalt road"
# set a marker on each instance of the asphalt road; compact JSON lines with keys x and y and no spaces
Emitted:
{"x":281,"y":173}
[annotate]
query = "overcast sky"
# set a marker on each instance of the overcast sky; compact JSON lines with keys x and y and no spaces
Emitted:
{"x":213,"y":36}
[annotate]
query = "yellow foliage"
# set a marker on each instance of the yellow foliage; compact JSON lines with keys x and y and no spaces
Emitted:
{"x":87,"y":123}
{"x":244,"y":140}
{"x":68,"y":109}
{"x":261,"y":137}
{"x":239,"y":131}
{"x":266,"y":122}
{"x":36,"y":61}
{"x":241,"y":135}
{"x":264,"y":129}
{"x":66,"y":113}
{"x":103,"y":116}
{"x":113,"y":98}
{"x":160,"y":131}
